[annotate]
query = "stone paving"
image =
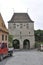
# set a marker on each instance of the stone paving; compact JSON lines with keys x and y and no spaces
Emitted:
{"x":26,"y":58}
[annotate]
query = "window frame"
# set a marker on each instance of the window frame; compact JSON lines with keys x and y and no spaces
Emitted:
{"x":21,"y":25}
{"x":5,"y":37}
{"x":2,"y":37}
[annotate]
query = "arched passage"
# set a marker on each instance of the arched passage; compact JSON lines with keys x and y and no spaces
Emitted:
{"x":26,"y":44}
{"x":16,"y":44}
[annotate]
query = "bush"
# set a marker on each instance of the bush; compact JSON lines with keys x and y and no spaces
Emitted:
{"x":37,"y":45}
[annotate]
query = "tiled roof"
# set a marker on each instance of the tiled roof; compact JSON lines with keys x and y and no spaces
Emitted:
{"x":2,"y":25}
{"x":20,"y":18}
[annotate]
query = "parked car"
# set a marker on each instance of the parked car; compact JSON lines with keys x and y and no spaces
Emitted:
{"x":41,"y":47}
{"x":5,"y":51}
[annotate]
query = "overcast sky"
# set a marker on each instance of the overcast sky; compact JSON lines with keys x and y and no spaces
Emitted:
{"x":33,"y":7}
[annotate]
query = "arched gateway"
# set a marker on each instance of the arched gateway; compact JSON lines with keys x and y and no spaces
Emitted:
{"x":26,"y":44}
{"x":23,"y":29}
{"x":16,"y":44}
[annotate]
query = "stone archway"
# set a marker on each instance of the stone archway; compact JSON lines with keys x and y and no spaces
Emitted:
{"x":16,"y":44}
{"x":26,"y":44}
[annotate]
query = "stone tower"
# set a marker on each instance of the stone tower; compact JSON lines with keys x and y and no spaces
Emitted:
{"x":22,"y":29}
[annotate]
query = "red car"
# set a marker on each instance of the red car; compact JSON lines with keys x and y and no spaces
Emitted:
{"x":4,"y":51}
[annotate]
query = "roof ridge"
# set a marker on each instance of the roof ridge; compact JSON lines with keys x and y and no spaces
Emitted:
{"x":20,"y":16}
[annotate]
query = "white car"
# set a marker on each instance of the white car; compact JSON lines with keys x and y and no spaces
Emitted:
{"x":41,"y":47}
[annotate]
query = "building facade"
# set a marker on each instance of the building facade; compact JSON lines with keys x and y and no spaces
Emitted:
{"x":3,"y":31}
{"x":22,"y":29}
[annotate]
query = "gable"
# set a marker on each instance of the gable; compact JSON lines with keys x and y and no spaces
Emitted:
{"x":2,"y":24}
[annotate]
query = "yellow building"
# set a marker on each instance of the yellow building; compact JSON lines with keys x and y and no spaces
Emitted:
{"x":3,"y":31}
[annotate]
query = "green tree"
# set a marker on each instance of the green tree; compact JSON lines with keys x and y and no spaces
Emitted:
{"x":10,"y":39}
{"x":39,"y":35}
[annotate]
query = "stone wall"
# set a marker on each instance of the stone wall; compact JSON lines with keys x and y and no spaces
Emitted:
{"x":23,"y":33}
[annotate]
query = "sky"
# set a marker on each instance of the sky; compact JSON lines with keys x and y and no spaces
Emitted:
{"x":33,"y":7}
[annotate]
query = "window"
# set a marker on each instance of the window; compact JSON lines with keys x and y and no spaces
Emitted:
{"x":24,"y":24}
{"x":27,"y":25}
{"x":2,"y":37}
{"x":20,"y":25}
{"x":9,"y":27}
{"x":20,"y":35}
{"x":29,"y":32}
{"x":14,"y":25}
{"x":4,"y":45}
{"x":6,"y":37}
{"x":17,"y":25}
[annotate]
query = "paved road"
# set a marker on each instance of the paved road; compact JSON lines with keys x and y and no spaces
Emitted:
{"x":5,"y":60}
{"x":25,"y":58}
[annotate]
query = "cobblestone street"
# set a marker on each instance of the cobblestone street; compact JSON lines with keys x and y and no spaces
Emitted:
{"x":26,"y":58}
